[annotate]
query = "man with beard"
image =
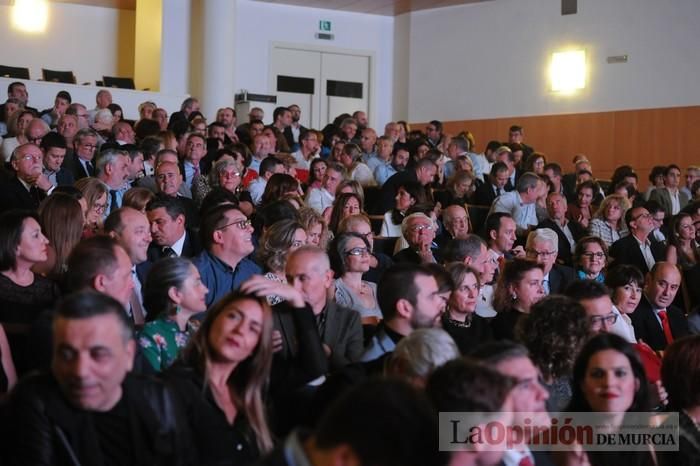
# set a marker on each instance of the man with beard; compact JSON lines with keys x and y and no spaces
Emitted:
{"x":296,"y":129}
{"x":399,"y":160}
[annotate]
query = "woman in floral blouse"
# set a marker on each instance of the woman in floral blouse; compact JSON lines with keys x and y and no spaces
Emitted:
{"x":172,"y":294}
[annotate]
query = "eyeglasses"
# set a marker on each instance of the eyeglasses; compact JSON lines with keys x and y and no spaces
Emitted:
{"x":30,"y":157}
{"x":645,"y":215}
{"x":591,"y":255}
{"x":416,"y":228}
{"x":241,"y":224}
{"x":99,"y":207}
{"x":609,"y":319}
{"x":357,"y":252}
{"x":542,"y":254}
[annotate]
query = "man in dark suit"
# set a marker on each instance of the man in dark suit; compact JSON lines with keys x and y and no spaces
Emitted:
{"x":423,"y":172}
{"x":541,"y":246}
{"x":295,"y":130}
{"x":419,"y":231}
{"x":568,"y":233}
{"x":17,"y":90}
{"x":81,"y":163}
{"x":670,"y":197}
{"x":656,"y":321}
{"x":28,"y":187}
{"x":169,"y":180}
{"x":53,"y":145}
{"x":166,"y":216}
{"x":495,"y":185}
{"x":636,"y":248}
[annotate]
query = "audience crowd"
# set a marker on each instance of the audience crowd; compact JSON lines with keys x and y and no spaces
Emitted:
{"x":178,"y":290}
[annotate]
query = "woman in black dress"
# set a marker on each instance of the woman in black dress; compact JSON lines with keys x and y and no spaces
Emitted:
{"x":519,"y":287}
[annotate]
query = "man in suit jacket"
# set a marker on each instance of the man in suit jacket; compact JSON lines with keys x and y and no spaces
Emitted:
{"x":660,"y":288}
{"x":296,"y":129}
{"x":423,"y":172}
{"x":168,"y":182}
{"x":81,"y":164}
{"x":166,"y":216}
{"x":636,"y":248}
{"x":28,"y":187}
{"x":671,"y":198}
{"x":568,"y":233}
{"x":53,"y":145}
{"x":419,"y":231}
{"x":495,"y":185}
{"x":541,"y":246}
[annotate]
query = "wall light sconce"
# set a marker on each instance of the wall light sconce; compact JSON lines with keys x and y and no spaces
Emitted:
{"x":568,"y":71}
{"x":30,"y":15}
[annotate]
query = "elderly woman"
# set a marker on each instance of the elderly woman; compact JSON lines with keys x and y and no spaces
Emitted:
{"x":278,"y":240}
{"x":220,"y":378}
{"x":608,"y":222}
{"x":554,"y":332}
{"x":95,"y":197}
{"x":519,"y":287}
{"x":350,"y":258}
{"x":590,"y":258}
{"x":460,"y":320}
{"x":172,"y":294}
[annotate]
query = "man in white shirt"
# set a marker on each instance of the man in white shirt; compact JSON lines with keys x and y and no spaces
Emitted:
{"x":321,"y":198}
{"x":308,"y":150}
{"x":368,"y":138}
{"x":521,"y":202}
{"x":268,"y":167}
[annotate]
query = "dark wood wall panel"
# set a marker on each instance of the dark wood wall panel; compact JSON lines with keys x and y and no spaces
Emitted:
{"x":641,"y":138}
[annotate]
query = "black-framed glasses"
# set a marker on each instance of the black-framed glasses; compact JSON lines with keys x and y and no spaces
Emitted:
{"x":609,"y":319}
{"x":359,"y":251}
{"x":591,"y":255}
{"x":241,"y":224}
{"x":416,"y":228}
{"x":538,"y":254}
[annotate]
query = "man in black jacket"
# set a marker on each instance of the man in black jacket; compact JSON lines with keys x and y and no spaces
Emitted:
{"x":568,"y":233}
{"x":636,"y":248}
{"x":89,"y":410}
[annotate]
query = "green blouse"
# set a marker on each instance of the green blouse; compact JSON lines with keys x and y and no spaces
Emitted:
{"x":161,"y":341}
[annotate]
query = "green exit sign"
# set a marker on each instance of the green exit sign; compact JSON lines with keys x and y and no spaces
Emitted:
{"x":324,"y":26}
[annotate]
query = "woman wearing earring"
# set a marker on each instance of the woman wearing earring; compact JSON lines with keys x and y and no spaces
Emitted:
{"x":172,"y":294}
{"x":518,"y":288}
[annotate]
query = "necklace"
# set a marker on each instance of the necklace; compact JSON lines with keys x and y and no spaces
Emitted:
{"x":458,"y":323}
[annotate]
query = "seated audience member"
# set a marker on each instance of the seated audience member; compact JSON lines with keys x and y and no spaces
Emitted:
{"x":223,"y":264}
{"x":541,"y":246}
{"x":460,"y":320}
{"x":670,"y":196}
{"x":568,"y":232}
{"x":54,"y":147}
{"x":530,"y":396}
{"x":168,"y":182}
{"x":500,"y":233}
{"x":150,"y":182}
{"x":379,"y":162}
{"x":220,"y":379}
{"x":590,"y":258}
{"x":459,"y":190}
{"x":28,"y":187}
{"x":172,"y":293}
{"x":315,"y":227}
{"x":279,"y":186}
{"x":349,"y":256}
{"x":625,"y":283}
{"x":95,"y":411}
{"x":403,"y":430}
{"x":351,"y":159}
{"x":636,"y":248}
{"x":321,"y":198}
{"x":682,"y":248}
{"x":680,"y":374}
{"x":409,"y":298}
{"x":656,"y":180}
{"x":608,"y":222}
{"x":344,"y":205}
{"x":581,"y":210}
{"x":494,"y":186}
{"x":419,"y":354}
{"x":277,"y":242}
{"x":658,"y":217}
{"x":419,"y":231}
{"x":61,"y":219}
{"x":455,"y":220}
{"x":95,"y":194}
{"x":399,"y":161}
{"x":595,"y":299}
{"x":519,"y":287}
{"x":657,"y":322}
{"x":268,"y":167}
{"x":316,"y":173}
{"x":111,"y":167}
{"x":378,"y":261}
{"x":464,"y":386}
{"x":408,"y":194}
{"x":554,"y":332}
{"x":520,"y":203}
{"x":423,"y":172}
{"x":137,"y":198}
{"x":171,"y":237}
{"x":226,"y":173}
{"x":131,"y":230}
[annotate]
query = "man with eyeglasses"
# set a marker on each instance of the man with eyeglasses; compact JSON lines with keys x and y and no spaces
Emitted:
{"x":29,"y":186}
{"x":226,"y":235}
{"x":456,"y":222}
{"x":419,"y":231}
{"x":80,"y":163}
{"x":658,"y":216}
{"x":36,"y":130}
{"x":595,"y":299}
{"x":543,"y":246}
{"x":636,"y":248}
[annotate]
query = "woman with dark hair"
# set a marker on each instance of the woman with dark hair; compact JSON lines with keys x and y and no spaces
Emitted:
{"x":459,"y":319}
{"x":277,"y":242}
{"x":608,"y":377}
{"x":459,"y":190}
{"x":683,"y":250}
{"x":408,"y":194}
{"x":117,"y":112}
{"x":172,"y":294}
{"x":554,"y":332}
{"x":626,"y":283}
{"x":519,"y":287}
{"x":656,"y":180}
{"x":61,"y":219}
{"x":316,"y":172}
{"x":220,"y":378}
{"x":344,"y":205}
{"x":581,"y":211}
{"x":349,"y":255}
{"x":590,"y":258}
{"x":535,"y":163}
{"x":680,"y":374}
{"x":277,"y":187}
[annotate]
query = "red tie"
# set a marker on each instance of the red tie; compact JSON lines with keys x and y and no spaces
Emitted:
{"x":501,"y":263}
{"x":525,"y":461}
{"x":666,"y":326}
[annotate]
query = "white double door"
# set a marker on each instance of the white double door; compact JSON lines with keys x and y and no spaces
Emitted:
{"x":324,"y":84}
